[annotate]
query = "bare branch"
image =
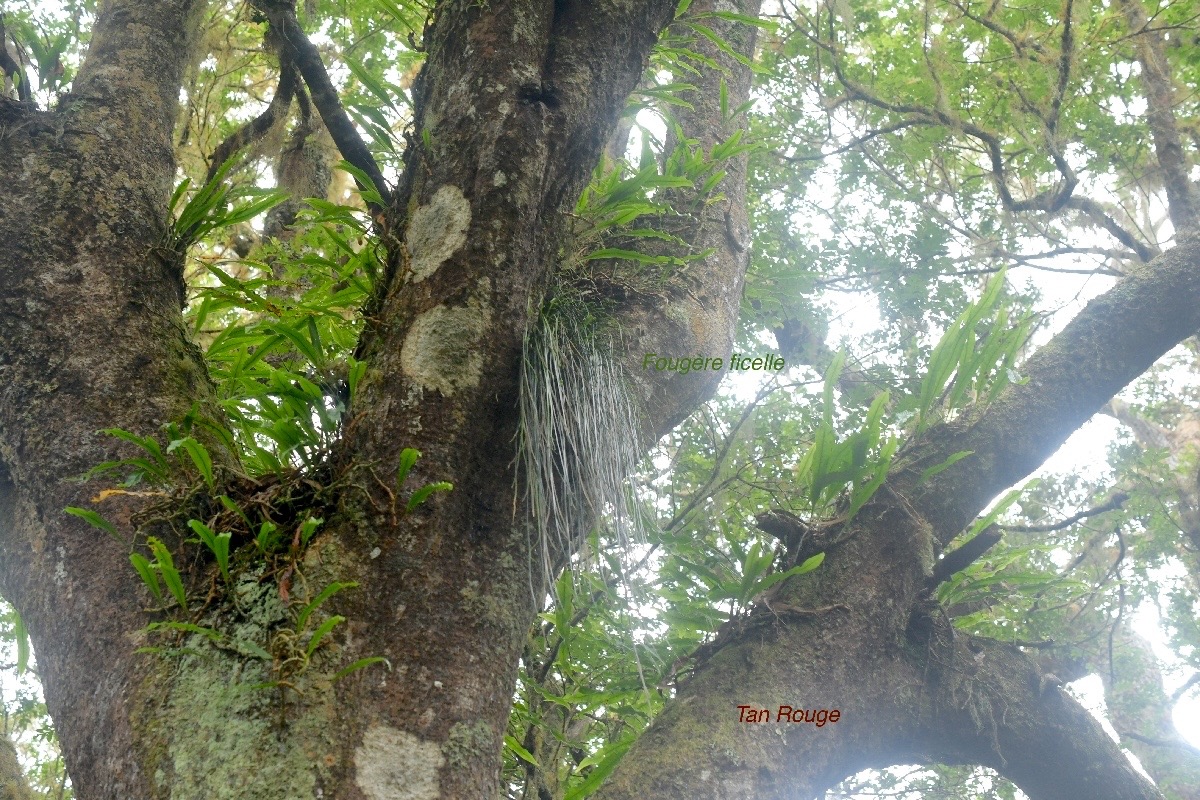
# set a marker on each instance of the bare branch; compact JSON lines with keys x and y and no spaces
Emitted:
{"x":858,"y":142}
{"x":1096,"y":213}
{"x":303,"y":53}
{"x":1179,"y":743}
{"x":1116,"y":501}
{"x":1065,"y":54}
{"x":957,"y":560}
{"x":257,"y":128}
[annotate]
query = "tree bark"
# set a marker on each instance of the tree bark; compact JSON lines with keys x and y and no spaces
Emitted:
{"x":512,"y":110}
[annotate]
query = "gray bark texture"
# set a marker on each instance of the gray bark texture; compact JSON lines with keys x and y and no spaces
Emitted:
{"x":516,"y":103}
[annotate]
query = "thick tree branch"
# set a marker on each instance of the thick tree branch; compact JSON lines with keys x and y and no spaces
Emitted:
{"x":13,"y":785}
{"x":699,"y":308}
{"x":944,"y":698}
{"x":1160,"y":116}
{"x":257,"y":128}
{"x":131,"y":74}
{"x":992,"y":706}
{"x":303,"y":53}
{"x":1112,"y":341}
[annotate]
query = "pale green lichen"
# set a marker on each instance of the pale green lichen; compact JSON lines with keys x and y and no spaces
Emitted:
{"x":220,"y":717}
{"x":391,"y":764}
{"x":467,"y":742}
{"x":441,"y":350}
{"x":222,"y":712}
{"x":437,"y":230}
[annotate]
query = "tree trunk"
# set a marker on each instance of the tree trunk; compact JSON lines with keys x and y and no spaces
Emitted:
{"x":514,"y":104}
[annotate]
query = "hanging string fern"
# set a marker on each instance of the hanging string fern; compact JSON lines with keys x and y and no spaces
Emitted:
{"x":579,"y":441}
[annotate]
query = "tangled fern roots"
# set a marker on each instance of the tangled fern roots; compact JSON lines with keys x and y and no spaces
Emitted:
{"x":579,"y":441}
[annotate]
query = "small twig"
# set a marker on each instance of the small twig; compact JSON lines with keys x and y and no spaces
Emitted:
{"x":1096,"y":212}
{"x":1116,"y":501}
{"x":1182,"y":690}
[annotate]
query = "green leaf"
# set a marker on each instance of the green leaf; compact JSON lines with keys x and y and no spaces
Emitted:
{"x":775,"y":577}
{"x":96,"y":521}
{"x":187,"y":627}
{"x":949,"y":462}
{"x":1002,"y":506}
{"x":217,"y":543}
{"x":408,"y":457}
{"x":611,"y":756}
{"x":373,"y":85}
{"x":231,"y":505}
{"x":626,"y":255}
{"x":512,"y":744}
{"x":359,"y":664}
{"x":266,"y":539}
{"x":422,"y":494}
{"x":810,"y":564}
{"x":315,"y":640}
{"x":200,"y":457}
{"x":308,"y":528}
{"x":326,"y":593}
{"x":166,"y":567}
{"x":144,"y":569}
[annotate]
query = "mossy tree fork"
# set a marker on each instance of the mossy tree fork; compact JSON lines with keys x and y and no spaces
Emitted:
{"x":91,"y":337}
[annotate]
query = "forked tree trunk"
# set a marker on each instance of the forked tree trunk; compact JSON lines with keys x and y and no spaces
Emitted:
{"x":513,"y":108}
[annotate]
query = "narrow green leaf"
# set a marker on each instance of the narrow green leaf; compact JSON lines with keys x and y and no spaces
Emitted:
{"x":357,"y":665}
{"x":422,"y":494}
{"x":252,"y":649}
{"x":200,"y":457}
{"x":326,"y":593}
{"x":187,"y":627}
{"x":166,"y":567}
{"x":949,"y":462}
{"x":143,"y":567}
{"x":612,"y":755}
{"x":512,"y":744}
{"x":810,"y":564}
{"x":315,"y":640}
{"x":96,"y":521}
{"x":408,"y":457}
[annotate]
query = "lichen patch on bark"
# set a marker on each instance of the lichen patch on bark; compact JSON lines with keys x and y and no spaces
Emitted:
{"x":437,"y":230}
{"x":441,"y":349}
{"x":396,"y":765}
